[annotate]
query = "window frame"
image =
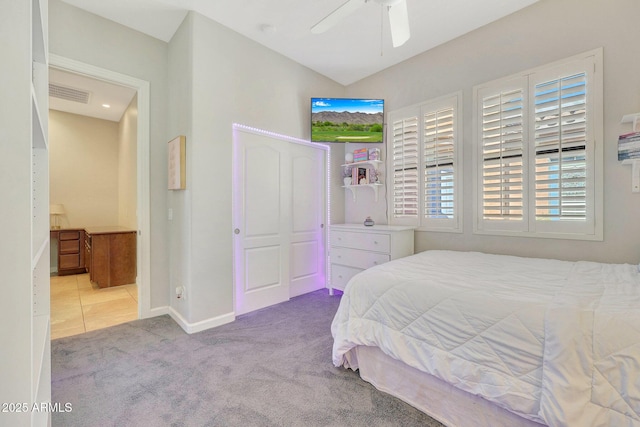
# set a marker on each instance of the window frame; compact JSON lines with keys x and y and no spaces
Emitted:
{"x":591,"y":63}
{"x":419,"y":111}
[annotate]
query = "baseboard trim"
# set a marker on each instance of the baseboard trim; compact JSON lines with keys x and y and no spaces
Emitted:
{"x":155,"y":312}
{"x":192,"y":328}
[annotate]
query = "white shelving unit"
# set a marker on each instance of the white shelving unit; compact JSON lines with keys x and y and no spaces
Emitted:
{"x":24,"y":155}
{"x":634,"y":119}
{"x":41,"y":314}
{"x":374,"y":164}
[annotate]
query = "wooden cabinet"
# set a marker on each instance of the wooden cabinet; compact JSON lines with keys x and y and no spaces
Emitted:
{"x":355,"y":248}
{"x":70,"y":251}
{"x":111,"y":255}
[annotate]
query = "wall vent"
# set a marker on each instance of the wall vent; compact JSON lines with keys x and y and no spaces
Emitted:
{"x":68,"y":93}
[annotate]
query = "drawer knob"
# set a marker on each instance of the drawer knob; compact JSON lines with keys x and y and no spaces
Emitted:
{"x":375,"y":242}
{"x":375,"y":262}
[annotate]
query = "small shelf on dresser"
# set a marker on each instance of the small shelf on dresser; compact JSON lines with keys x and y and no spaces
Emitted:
{"x":374,"y":163}
{"x":375,"y":187}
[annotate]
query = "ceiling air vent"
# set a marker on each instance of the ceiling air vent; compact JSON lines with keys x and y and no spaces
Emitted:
{"x":68,"y":93}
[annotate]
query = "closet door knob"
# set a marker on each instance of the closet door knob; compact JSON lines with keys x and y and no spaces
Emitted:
{"x":236,"y":231}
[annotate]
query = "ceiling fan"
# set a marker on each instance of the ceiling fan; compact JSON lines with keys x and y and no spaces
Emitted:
{"x":398,"y":18}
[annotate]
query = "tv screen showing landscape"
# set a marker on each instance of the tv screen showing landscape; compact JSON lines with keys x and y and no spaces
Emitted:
{"x":347,"y":120}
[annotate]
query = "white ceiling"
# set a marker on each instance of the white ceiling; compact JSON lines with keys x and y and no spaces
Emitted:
{"x":100,"y":92}
{"x":357,"y":47}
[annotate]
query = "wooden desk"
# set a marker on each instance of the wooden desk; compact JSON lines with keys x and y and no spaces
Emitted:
{"x":110,"y":254}
{"x":70,"y":253}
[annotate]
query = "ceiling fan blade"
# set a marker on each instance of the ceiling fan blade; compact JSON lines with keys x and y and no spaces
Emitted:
{"x":399,"y":23}
{"x":337,"y":15}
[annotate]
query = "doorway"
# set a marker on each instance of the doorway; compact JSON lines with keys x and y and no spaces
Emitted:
{"x":136,"y":210}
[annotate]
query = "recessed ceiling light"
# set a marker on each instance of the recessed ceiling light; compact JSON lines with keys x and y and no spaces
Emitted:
{"x":106,"y":105}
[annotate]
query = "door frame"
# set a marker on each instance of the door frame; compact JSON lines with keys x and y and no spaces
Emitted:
{"x":236,"y":202}
{"x":142,"y":153}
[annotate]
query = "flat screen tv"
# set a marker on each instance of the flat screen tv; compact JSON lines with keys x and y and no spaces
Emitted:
{"x":347,"y":120}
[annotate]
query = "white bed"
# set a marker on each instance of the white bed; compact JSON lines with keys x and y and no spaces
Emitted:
{"x":478,"y":339}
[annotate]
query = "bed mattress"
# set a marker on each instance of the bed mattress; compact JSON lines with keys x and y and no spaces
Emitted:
{"x":530,"y":335}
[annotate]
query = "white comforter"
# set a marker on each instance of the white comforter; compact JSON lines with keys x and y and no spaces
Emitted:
{"x":553,"y":341}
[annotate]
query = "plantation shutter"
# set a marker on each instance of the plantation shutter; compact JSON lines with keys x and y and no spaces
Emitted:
{"x":426,"y":159}
{"x":560,"y":149}
{"x":439,"y":164}
{"x":563,"y":147}
{"x":538,"y":151}
{"x":404,"y":147}
{"x":503,"y":158}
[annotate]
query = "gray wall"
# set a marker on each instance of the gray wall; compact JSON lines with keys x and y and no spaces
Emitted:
{"x":547,"y":31}
{"x":218,"y":77}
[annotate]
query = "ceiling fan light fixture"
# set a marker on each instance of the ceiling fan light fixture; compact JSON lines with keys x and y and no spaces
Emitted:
{"x":337,"y":15}
{"x":396,"y":9}
{"x":388,"y":3}
{"x":399,"y":23}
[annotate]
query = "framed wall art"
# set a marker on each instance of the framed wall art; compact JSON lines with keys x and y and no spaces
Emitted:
{"x":177,"y":163}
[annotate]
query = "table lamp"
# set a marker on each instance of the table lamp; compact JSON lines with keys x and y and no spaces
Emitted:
{"x":56,"y":211}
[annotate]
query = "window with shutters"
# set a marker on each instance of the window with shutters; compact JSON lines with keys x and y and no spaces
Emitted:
{"x":425,"y":152}
{"x":404,"y":149}
{"x":538,"y":153}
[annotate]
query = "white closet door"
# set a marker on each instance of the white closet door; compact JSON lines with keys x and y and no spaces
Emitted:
{"x":276,"y":247}
{"x":308,"y":212}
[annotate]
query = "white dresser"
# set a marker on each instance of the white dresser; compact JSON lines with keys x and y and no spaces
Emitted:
{"x":355,"y":247}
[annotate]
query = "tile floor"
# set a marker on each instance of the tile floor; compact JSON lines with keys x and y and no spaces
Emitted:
{"x":78,"y":306}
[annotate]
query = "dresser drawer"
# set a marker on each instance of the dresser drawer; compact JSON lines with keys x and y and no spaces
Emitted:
{"x":69,"y":235}
{"x":69,"y":246}
{"x":69,"y":261}
{"x":357,"y":258}
{"x":366,"y":241}
{"x":341,"y":274}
